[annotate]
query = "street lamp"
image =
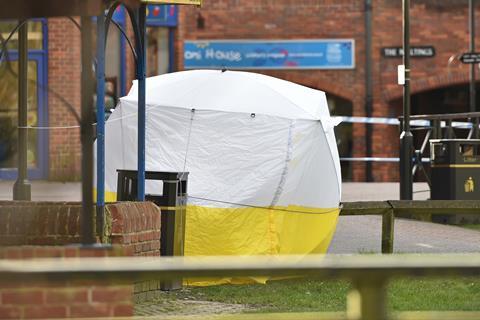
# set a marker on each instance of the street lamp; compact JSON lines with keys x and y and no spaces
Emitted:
{"x":406,"y":137}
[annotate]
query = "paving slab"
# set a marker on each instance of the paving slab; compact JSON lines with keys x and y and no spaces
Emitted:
{"x":45,"y":190}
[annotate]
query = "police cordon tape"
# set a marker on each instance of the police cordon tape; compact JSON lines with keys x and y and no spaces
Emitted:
{"x":396,"y":122}
{"x":376,"y":159}
{"x":393,"y":122}
{"x":341,"y":119}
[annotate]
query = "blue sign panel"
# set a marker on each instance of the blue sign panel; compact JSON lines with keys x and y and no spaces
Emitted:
{"x":119,"y":15}
{"x":266,"y":54}
{"x":162,"y":15}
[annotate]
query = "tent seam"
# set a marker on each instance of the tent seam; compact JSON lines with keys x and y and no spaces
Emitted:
{"x":283,"y":176}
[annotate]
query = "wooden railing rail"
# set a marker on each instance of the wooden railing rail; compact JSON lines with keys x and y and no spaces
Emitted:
{"x":392,"y":208}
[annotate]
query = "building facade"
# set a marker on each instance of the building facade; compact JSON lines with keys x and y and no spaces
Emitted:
{"x":316,"y":43}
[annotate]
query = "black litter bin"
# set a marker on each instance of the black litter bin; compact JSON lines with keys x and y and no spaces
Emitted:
{"x":455,"y":170}
{"x":172,"y":200}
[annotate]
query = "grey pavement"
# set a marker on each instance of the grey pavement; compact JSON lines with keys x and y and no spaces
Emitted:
{"x":355,"y":234}
{"x":362,"y":234}
{"x":45,"y":191}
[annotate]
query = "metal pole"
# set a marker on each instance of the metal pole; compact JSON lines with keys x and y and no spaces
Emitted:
{"x":88,"y":234}
{"x":369,"y":85}
{"x":406,"y":138}
{"x":471,"y":8}
{"x":473,"y":90}
{"x":141,"y":70}
{"x":100,"y":73}
{"x":22,"y":187}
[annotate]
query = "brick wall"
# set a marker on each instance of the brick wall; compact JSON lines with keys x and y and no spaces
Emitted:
{"x":64,"y":67}
{"x":288,"y":19}
{"x":442,"y":24}
{"x":63,"y":299}
{"x":135,"y":226}
{"x":132,"y":226}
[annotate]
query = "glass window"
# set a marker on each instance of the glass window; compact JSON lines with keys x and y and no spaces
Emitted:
{"x":158,"y":54}
{"x":9,"y":115}
{"x":112,"y":63}
{"x":35,"y":34}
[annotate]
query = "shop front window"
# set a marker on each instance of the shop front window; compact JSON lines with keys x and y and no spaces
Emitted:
{"x":158,"y":53}
{"x":9,"y":115}
{"x":35,"y":34}
{"x":112,"y":65}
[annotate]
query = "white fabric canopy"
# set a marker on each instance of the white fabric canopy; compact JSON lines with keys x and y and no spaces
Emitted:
{"x":264,"y":171}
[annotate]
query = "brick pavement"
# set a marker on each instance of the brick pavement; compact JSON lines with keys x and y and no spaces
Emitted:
{"x":165,"y":307}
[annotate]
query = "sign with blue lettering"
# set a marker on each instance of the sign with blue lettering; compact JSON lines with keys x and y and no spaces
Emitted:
{"x":162,"y":15}
{"x":119,"y":15}
{"x":267,"y":54}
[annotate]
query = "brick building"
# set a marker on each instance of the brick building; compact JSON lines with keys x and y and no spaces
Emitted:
{"x":439,"y":81}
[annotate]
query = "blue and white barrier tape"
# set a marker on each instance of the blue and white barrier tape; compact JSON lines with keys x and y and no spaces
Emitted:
{"x":396,"y":122}
{"x":376,"y":159}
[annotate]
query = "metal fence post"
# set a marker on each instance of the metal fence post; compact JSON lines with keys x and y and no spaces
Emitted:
{"x":388,"y":220}
{"x":406,"y":138}
{"x":88,"y":223}
{"x":100,"y":73}
{"x":141,"y":73}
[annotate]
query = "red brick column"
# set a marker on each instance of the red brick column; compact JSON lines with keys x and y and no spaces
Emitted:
{"x":64,"y":68}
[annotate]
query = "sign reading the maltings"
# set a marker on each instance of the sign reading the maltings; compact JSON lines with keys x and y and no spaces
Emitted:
{"x":470,"y":58}
{"x":415,"y":52}
{"x":270,"y":54}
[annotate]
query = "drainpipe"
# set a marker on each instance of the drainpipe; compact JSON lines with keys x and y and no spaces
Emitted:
{"x":368,"y":86}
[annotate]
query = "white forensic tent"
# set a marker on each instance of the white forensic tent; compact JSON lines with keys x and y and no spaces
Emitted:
{"x":261,"y":153}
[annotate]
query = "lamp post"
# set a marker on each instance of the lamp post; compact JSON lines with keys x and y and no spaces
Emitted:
{"x":406,"y":138}
{"x":473,"y":91}
{"x":471,"y":9}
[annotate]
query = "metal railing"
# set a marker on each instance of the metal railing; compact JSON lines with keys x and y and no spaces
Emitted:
{"x":440,"y":126}
{"x":368,"y":274}
{"x":392,"y":208}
